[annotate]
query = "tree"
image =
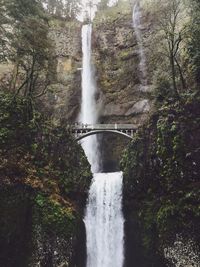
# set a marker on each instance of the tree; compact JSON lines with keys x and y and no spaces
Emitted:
{"x":67,"y":9}
{"x":173,"y":35}
{"x":103,"y":4}
{"x":73,"y":8}
{"x":194,"y":41}
{"x":33,"y":52}
{"x":55,"y":7}
{"x":30,"y":48}
{"x":169,"y":39}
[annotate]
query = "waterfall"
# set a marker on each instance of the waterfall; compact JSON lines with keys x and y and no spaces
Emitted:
{"x":89,"y":114}
{"x":137,"y":25}
{"x":104,"y":221}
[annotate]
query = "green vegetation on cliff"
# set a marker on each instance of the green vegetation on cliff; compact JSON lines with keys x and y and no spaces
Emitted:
{"x":44,"y":175}
{"x":161,"y":172}
{"x":162,"y":164}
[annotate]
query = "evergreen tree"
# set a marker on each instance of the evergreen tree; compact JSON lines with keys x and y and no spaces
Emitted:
{"x":67,"y":9}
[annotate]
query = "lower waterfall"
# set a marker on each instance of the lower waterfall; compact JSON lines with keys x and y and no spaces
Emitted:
{"x":104,"y":221}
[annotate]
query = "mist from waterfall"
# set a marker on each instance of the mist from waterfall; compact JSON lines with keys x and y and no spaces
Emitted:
{"x":137,"y":25}
{"x":104,"y":221}
{"x":89,"y":113}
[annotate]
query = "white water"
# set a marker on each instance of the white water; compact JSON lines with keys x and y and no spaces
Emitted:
{"x":104,"y":221}
{"x":137,"y":25}
{"x":89,"y":113}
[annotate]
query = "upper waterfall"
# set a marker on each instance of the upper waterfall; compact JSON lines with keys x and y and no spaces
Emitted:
{"x":89,"y":113}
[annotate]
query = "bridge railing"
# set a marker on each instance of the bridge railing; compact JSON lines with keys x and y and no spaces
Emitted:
{"x":103,"y":126}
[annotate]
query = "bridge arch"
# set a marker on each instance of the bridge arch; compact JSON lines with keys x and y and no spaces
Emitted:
{"x":93,"y":132}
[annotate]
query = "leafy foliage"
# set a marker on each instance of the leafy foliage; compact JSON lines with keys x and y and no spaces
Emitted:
{"x":44,"y":173}
{"x":162,"y":167}
{"x":30,"y":48}
{"x":35,"y":150}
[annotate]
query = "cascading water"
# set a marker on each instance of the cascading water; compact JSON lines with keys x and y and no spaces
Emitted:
{"x":137,"y":25}
{"x":89,"y":114}
{"x":103,"y":220}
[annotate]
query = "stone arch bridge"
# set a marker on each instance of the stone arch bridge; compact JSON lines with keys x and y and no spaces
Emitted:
{"x":82,"y":131}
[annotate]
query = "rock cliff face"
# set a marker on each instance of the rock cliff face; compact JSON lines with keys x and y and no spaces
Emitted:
{"x":116,"y":63}
{"x":63,"y":100}
{"x":116,"y":58}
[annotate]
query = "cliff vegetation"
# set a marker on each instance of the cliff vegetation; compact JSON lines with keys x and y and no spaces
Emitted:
{"x":44,"y":174}
{"x":44,"y":183}
{"x":161,"y":165}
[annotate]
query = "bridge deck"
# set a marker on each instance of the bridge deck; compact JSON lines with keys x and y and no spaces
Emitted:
{"x":116,"y":126}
